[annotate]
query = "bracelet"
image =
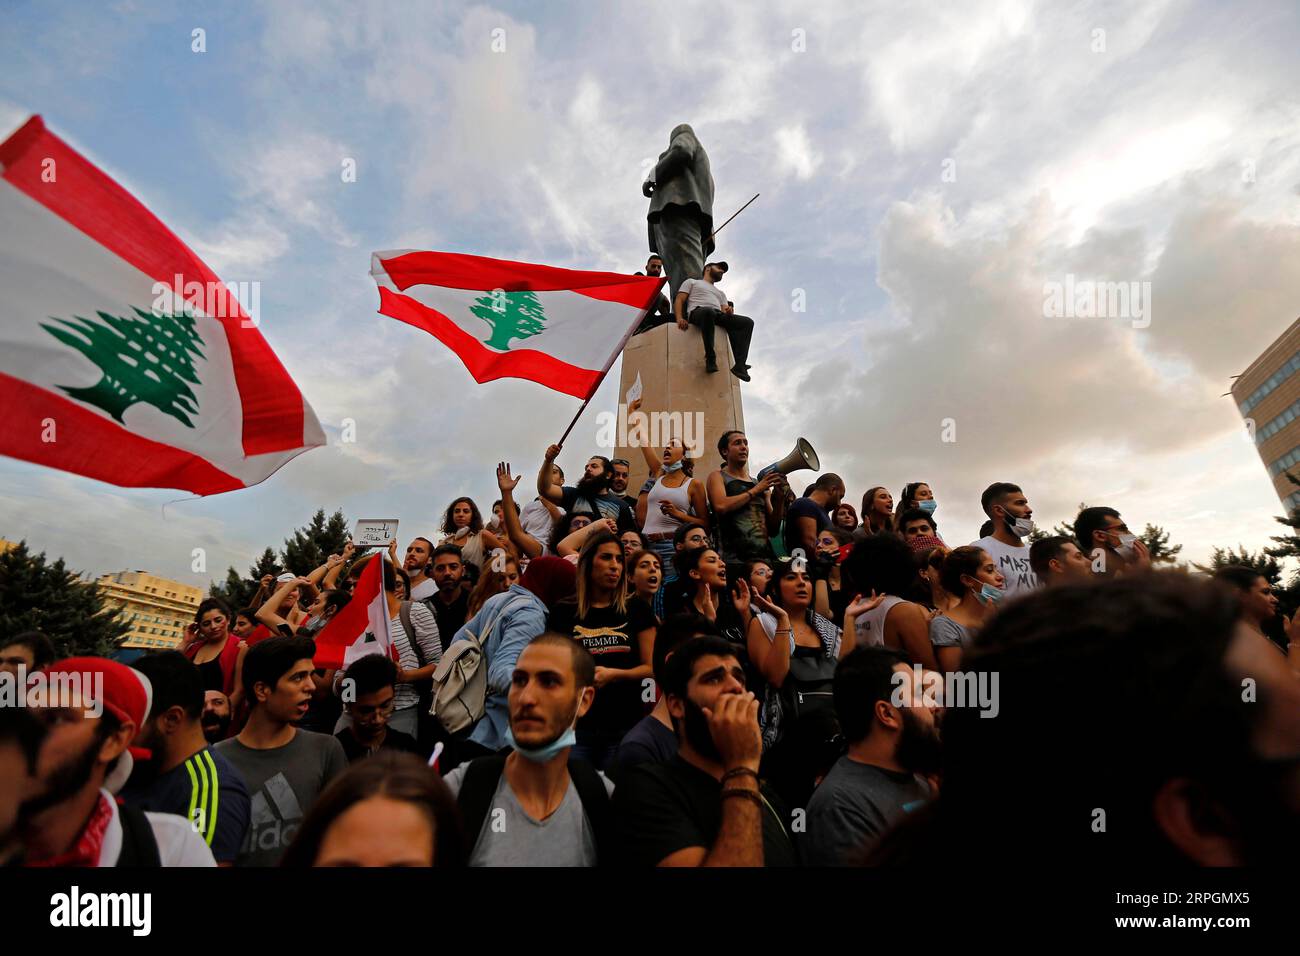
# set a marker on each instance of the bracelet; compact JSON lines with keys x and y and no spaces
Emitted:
{"x":747,"y":794}
{"x":739,"y":772}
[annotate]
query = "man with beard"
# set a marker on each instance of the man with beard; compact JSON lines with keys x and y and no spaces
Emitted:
{"x":285,"y":767}
{"x":539,"y":806}
{"x":85,"y":758}
{"x":881,"y":777}
{"x":705,"y":806}
{"x":20,"y":746}
{"x":450,"y":603}
{"x":592,"y":495}
{"x":1171,"y":737}
{"x":618,"y":483}
{"x":419,"y":553}
{"x":216,"y":716}
{"x":185,"y":776}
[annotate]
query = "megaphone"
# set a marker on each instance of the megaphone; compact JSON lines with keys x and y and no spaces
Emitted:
{"x":801,"y":456}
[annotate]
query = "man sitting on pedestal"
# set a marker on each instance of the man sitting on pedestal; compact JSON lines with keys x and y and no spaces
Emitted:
{"x":700,"y":302}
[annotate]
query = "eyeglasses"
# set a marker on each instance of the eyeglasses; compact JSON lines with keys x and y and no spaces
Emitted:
{"x":366,"y":710}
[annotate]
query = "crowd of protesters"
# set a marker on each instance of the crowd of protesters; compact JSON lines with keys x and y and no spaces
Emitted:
{"x":705,"y":671}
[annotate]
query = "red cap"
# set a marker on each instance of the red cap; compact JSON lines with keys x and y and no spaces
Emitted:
{"x":122,"y":691}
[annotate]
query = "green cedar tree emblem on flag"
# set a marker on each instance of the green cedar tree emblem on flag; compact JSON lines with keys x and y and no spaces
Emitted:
{"x":511,"y":315}
{"x":145,"y":359}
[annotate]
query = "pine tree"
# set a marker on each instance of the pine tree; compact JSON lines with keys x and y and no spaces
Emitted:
{"x":1156,"y":539}
{"x":147,"y":359}
{"x":37,"y":596}
{"x":238,"y":591}
{"x":1262,"y":562}
{"x":1288,"y":545}
{"x":510,"y":315}
{"x":311,"y":544}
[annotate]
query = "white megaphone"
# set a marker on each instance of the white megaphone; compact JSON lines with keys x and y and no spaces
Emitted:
{"x":801,"y":456}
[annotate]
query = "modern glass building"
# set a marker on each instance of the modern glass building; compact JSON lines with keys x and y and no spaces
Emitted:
{"x":1268,"y":396}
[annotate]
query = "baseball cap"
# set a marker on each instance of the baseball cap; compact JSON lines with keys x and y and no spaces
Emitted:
{"x":287,"y":576}
{"x":122,"y":691}
{"x":721,"y":265}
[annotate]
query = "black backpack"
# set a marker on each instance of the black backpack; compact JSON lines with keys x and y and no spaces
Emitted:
{"x":139,"y":845}
{"x":482,"y":776}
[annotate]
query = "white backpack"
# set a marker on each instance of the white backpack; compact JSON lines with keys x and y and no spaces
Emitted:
{"x":460,"y":680}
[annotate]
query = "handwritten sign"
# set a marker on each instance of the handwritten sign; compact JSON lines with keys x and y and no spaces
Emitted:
{"x":374,"y":532}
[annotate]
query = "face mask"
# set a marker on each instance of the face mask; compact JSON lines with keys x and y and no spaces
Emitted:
{"x":927,"y":506}
{"x":547,"y":752}
{"x":1020,"y":527}
{"x":1126,"y":549}
{"x":988,"y":594}
{"x":675,"y":466}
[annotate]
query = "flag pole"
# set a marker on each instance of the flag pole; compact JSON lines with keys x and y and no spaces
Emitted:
{"x":734,"y":215}
{"x":618,"y":350}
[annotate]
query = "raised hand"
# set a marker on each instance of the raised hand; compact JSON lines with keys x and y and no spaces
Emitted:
{"x":504,"y":480}
{"x":861,"y":605}
{"x":740,"y":598}
{"x":553,"y":452}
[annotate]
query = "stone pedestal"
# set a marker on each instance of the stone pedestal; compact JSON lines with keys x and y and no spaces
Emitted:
{"x":671,"y":364}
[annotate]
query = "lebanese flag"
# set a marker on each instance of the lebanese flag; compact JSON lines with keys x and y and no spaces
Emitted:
{"x":361,"y":628}
{"x":122,"y":356}
{"x":558,"y":327}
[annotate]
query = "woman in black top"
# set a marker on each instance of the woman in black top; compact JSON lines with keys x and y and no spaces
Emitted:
{"x":620,"y":635}
{"x":705,"y":575}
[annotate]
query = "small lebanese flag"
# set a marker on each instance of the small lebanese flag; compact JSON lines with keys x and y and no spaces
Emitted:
{"x":122,"y":356}
{"x":558,"y":327}
{"x":361,"y":628}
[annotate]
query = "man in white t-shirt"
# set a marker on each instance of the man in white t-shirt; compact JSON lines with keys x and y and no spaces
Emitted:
{"x":700,"y":302}
{"x":419,"y":554}
{"x":1012,"y":518}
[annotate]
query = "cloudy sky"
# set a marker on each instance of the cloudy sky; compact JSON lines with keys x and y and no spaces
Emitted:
{"x":924,"y":172}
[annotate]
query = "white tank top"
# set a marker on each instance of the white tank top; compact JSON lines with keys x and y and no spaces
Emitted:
{"x":656,"y":522}
{"x":871,"y":626}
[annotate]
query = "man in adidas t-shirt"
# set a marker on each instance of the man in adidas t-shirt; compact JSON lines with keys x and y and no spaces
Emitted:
{"x":285,"y":768}
{"x":1012,"y":519}
{"x":534,"y":807}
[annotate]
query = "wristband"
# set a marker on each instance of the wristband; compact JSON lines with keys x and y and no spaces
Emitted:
{"x":740,"y":772}
{"x":747,"y":794}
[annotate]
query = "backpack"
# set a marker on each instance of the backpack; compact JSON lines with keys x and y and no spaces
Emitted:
{"x":139,"y":845}
{"x":460,"y":680}
{"x":482,"y":776}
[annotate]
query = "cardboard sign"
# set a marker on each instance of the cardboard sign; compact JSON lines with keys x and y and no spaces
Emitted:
{"x":374,"y":532}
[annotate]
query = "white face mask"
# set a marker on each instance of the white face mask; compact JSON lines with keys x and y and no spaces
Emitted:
{"x":1021,"y":527}
{"x":1126,"y":549}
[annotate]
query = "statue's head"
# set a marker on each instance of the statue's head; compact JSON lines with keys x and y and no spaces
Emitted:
{"x":681,"y":128}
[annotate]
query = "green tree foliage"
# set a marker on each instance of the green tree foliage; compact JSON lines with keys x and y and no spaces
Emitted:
{"x":1156,"y":539}
{"x":309,"y":546}
{"x":238,"y":591}
{"x":38,"y":596}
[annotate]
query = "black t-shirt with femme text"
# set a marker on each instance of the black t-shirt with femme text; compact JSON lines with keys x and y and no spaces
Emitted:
{"x":611,"y":637}
{"x":661,"y":808}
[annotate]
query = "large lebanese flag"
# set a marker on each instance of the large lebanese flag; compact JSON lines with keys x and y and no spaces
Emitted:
{"x":122,"y":356}
{"x":361,"y":628}
{"x":559,"y":327}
